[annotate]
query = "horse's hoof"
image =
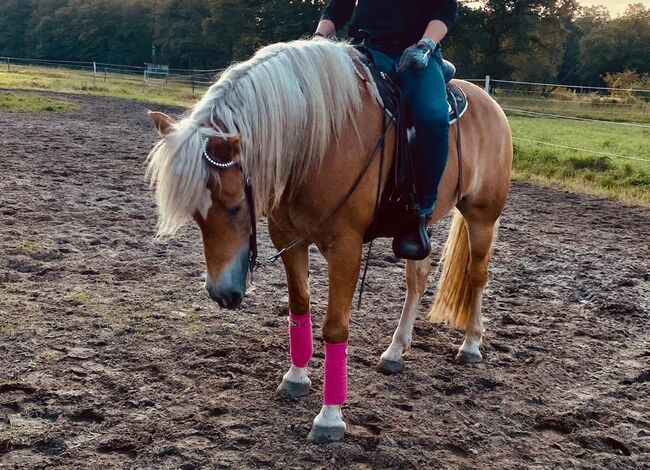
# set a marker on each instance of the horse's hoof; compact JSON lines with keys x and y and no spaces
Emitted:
{"x":468,"y":357}
{"x":323,"y":434}
{"x":294,"y":389}
{"x":390,"y":367}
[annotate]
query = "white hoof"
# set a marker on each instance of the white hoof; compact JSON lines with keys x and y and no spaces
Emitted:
{"x":295,"y":382}
{"x":328,"y":426}
{"x":469,"y":353}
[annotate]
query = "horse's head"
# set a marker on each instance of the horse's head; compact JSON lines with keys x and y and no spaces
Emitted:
{"x":223,"y":215}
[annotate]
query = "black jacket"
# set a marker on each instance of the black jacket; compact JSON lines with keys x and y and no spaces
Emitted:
{"x":397,"y":23}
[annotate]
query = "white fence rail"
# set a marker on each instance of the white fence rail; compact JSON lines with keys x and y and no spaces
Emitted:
{"x":625,"y":107}
{"x":100,"y":72}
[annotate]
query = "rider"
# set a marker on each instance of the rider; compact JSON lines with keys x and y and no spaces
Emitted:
{"x":405,"y":37}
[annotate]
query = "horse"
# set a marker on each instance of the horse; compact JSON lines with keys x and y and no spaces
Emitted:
{"x":290,"y":134}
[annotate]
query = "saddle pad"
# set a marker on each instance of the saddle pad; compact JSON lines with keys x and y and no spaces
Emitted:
{"x":456,"y":95}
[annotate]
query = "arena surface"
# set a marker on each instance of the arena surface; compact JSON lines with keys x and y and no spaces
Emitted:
{"x":112,"y":356}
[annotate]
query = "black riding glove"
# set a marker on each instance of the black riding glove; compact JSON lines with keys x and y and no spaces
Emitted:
{"x":417,"y":56}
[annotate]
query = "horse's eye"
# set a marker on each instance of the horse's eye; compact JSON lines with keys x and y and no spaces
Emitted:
{"x":233,"y":211}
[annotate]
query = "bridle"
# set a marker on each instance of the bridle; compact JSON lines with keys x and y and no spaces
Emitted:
{"x":250,"y":201}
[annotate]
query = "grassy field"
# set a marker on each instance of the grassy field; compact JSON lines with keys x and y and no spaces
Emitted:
{"x":624,"y":179}
{"x":116,"y":85}
{"x":34,"y":103}
{"x":602,"y":174}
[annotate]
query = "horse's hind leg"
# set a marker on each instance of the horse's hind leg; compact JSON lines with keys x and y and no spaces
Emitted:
{"x":481,"y":237}
{"x":417,"y":274}
{"x":463,"y":277}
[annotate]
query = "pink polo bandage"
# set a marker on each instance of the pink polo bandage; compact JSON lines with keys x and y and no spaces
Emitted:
{"x":335,"y":389}
{"x":301,"y":343}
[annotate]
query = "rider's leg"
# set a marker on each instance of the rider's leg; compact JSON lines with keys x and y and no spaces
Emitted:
{"x":426,"y":97}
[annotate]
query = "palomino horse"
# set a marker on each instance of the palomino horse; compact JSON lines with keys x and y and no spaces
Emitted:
{"x":288,"y":132}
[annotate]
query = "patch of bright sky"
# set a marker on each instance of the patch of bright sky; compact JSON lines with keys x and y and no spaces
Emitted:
{"x":615,"y":7}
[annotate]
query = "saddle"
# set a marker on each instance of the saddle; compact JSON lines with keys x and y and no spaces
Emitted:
{"x":400,"y":194}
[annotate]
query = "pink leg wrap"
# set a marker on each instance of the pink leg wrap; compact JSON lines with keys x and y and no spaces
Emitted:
{"x":335,"y":389}
{"x":301,"y":343}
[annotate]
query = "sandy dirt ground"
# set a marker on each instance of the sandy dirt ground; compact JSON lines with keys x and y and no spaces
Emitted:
{"x":112,"y":356}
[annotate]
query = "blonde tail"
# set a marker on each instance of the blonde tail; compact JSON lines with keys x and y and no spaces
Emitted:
{"x":453,"y":302}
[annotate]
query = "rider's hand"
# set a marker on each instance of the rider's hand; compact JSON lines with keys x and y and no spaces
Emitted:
{"x":417,"y":56}
{"x":318,"y":36}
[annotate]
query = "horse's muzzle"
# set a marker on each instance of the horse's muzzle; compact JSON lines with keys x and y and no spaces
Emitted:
{"x":229,"y":299}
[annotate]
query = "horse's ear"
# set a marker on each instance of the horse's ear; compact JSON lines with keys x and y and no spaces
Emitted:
{"x":162,"y":122}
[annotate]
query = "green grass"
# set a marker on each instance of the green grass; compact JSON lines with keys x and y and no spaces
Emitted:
{"x":80,"y":297}
{"x":116,"y":85}
{"x":627,"y":180}
{"x":17,"y":102}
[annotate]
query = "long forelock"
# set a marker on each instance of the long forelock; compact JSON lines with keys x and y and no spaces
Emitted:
{"x":288,"y":103}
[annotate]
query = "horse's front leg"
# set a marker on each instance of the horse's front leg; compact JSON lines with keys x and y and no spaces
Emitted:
{"x":417,"y":275}
{"x":343,"y":260}
{"x":296,"y":382}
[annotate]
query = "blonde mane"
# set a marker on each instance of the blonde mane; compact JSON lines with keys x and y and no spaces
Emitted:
{"x":287,"y":102}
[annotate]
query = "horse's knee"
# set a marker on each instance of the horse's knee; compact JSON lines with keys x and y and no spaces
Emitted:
{"x":298,"y":299}
{"x":335,"y":332}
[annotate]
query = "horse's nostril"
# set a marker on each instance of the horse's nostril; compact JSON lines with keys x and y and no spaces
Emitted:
{"x":230,"y":300}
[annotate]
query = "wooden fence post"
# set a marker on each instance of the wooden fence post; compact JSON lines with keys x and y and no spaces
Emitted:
{"x":94,"y":75}
{"x":488,"y":84}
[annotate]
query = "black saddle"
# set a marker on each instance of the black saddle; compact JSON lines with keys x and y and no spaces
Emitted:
{"x":399,"y":196}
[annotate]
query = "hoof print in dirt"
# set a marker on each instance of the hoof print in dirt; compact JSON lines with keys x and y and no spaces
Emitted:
{"x":293,"y":389}
{"x":466,"y":357}
{"x":323,"y":435}
{"x":388,"y":367}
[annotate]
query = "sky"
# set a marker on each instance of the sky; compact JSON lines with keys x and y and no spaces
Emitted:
{"x":615,"y":7}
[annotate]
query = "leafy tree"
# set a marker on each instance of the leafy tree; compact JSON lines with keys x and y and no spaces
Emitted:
{"x":545,"y":40}
{"x":617,"y":45}
{"x":13,"y":23}
{"x":180,"y":33}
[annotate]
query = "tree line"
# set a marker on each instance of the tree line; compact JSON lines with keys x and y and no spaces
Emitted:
{"x":534,"y":40}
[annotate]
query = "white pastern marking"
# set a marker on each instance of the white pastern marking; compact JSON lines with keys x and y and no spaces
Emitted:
{"x":297,"y":375}
{"x":330,"y":417}
{"x":471,"y":345}
{"x":206,"y":204}
{"x":394,"y":352}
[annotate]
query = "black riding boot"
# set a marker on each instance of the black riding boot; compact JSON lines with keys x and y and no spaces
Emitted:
{"x":413,"y":241}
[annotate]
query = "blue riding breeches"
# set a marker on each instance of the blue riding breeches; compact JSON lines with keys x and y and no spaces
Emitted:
{"x":426,"y":100}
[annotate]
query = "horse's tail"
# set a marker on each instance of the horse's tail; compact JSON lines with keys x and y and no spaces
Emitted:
{"x":453,"y":302}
